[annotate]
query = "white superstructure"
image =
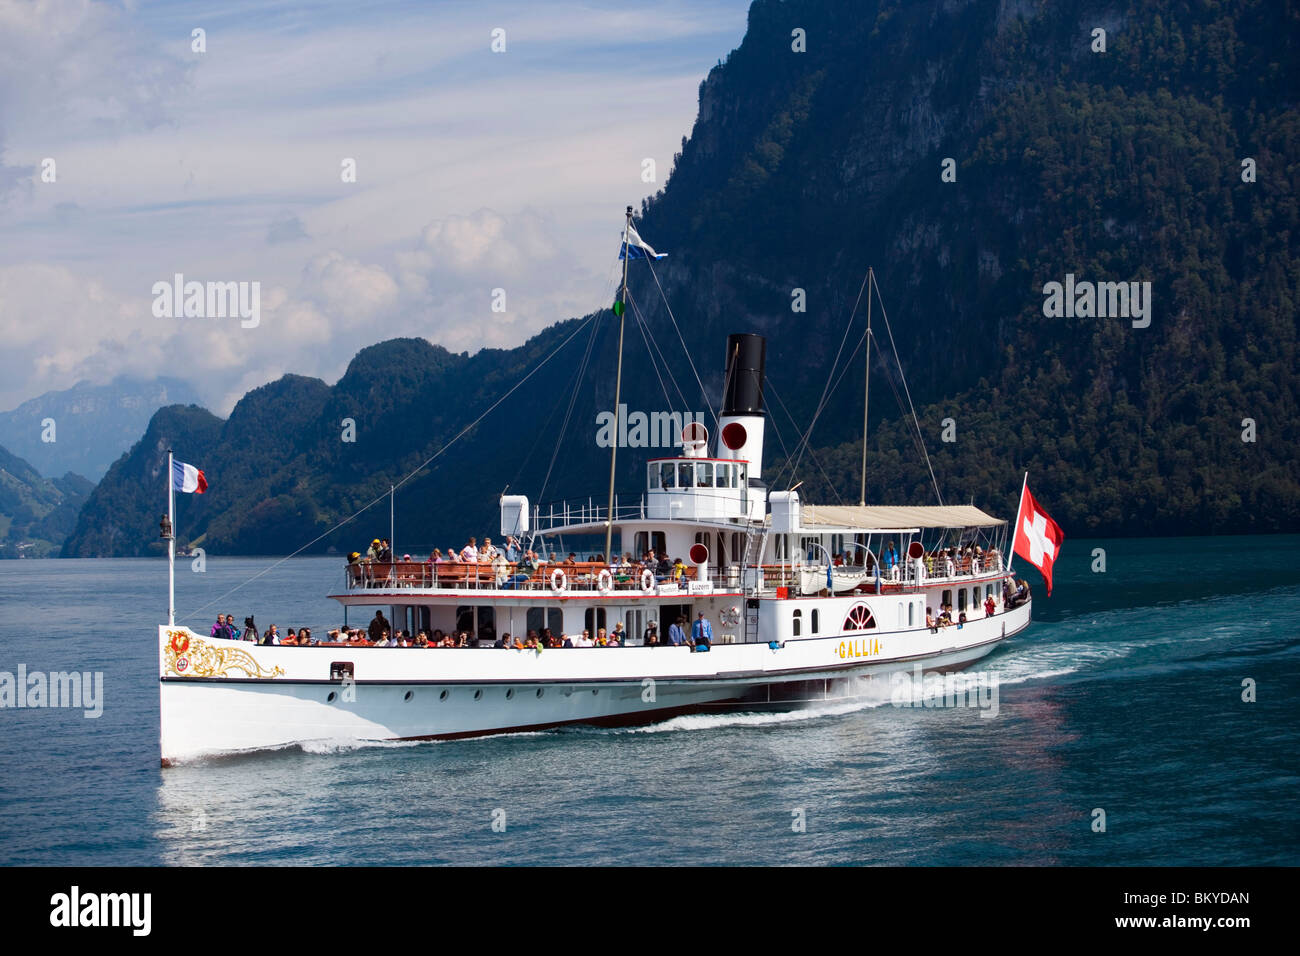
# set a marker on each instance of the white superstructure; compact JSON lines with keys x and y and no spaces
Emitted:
{"x":806,"y":603}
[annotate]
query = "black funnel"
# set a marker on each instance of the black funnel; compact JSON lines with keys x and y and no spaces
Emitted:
{"x":746,"y":356}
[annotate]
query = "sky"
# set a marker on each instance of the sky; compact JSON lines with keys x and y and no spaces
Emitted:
{"x":475,"y":170}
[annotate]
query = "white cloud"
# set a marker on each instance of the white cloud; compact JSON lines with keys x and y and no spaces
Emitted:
{"x":475,"y":171}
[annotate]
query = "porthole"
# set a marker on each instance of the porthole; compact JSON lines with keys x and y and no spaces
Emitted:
{"x":407,"y":695}
{"x":594,"y":691}
{"x":443,"y":695}
{"x":330,"y":698}
{"x":478,"y":694}
{"x":510,"y":694}
{"x":541,"y":691}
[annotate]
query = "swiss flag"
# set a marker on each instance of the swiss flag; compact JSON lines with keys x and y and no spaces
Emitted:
{"x":1038,"y":538}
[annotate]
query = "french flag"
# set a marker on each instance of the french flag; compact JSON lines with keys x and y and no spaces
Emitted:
{"x":187,"y":478}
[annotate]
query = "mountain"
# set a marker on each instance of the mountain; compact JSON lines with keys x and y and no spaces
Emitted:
{"x":36,"y":514}
{"x":802,"y":168}
{"x":93,"y":425}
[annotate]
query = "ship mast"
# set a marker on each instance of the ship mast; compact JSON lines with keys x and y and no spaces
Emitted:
{"x":862,"y":497}
{"x":620,"y":309}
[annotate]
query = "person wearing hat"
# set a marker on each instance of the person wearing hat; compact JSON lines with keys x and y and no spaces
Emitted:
{"x":651,"y":636}
{"x":373,"y":551}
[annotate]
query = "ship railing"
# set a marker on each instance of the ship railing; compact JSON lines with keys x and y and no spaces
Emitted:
{"x":895,"y":578}
{"x":578,"y":576}
{"x":558,"y":515}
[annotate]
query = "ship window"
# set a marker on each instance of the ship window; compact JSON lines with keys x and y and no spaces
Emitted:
{"x":911,"y":614}
{"x":642,"y":540}
{"x":780,"y":547}
{"x":796,"y":623}
{"x":740,"y":475}
{"x":685,"y":475}
{"x":654,"y":477}
{"x":540,"y":618}
{"x":947,"y":600}
{"x":704,"y":474}
{"x":724,"y":476}
{"x":666,"y":473}
{"x":660,"y":543}
{"x":988,"y":590}
{"x":816,"y":620}
{"x":595,"y":620}
{"x":961,"y":599}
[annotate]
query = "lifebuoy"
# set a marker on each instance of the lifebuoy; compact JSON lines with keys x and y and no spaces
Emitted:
{"x":605,"y":581}
{"x":559,"y":581}
{"x":647,"y":581}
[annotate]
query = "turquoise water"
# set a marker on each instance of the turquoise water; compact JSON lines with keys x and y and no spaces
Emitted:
{"x":1125,"y":695}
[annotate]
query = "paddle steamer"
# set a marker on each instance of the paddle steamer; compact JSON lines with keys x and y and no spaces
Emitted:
{"x":804,"y":600}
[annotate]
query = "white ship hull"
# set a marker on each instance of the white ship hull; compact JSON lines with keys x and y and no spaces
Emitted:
{"x":229,"y":696}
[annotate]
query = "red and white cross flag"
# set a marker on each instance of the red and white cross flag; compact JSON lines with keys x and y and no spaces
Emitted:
{"x":1038,"y":538}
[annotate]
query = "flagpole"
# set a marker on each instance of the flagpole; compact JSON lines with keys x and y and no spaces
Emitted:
{"x":171,"y":545}
{"x":1011,"y":555}
{"x":618,"y":388}
{"x":866,"y":384}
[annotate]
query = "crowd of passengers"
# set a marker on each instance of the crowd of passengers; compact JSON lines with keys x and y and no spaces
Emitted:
{"x":1010,"y":599}
{"x":380,"y":633}
{"x":513,"y":564}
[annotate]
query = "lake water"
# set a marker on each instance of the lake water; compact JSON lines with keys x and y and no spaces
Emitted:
{"x":1125,"y":696}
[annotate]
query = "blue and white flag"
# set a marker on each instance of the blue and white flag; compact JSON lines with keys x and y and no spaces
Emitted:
{"x":637,"y":248}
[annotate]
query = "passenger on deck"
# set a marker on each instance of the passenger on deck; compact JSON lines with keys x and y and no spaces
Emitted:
{"x":618,"y":635}
{"x":584,"y":641}
{"x":663,"y":569}
{"x":378,"y":626}
{"x":679,"y":571}
{"x":651,"y":636}
{"x":453,"y":555}
{"x":304,"y":637}
{"x":601,"y":639}
{"x":372,"y":552}
{"x":565,"y":640}
{"x":469,"y":553}
{"x":487,"y":552}
{"x":290,"y":639}
{"x":272,"y":636}
{"x":702,"y":631}
{"x":421,"y":639}
{"x":219,"y":629}
{"x":930,"y":622}
{"x":385,"y":551}
{"x":513,"y":549}
{"x":990,"y":606}
{"x":677,"y":632}
{"x":945,"y":617}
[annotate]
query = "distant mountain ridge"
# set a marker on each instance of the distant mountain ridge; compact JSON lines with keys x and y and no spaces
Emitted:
{"x":36,"y":513}
{"x":801,"y":169}
{"x":94,"y":425}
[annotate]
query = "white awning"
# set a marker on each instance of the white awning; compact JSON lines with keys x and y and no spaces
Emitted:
{"x":871,"y":517}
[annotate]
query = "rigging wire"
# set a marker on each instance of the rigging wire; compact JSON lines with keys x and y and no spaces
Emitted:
{"x":829,"y":484}
{"x":689,"y":360}
{"x":464,"y":431}
{"x":822,"y":402}
{"x":662,"y":359}
{"x":915,"y":420}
